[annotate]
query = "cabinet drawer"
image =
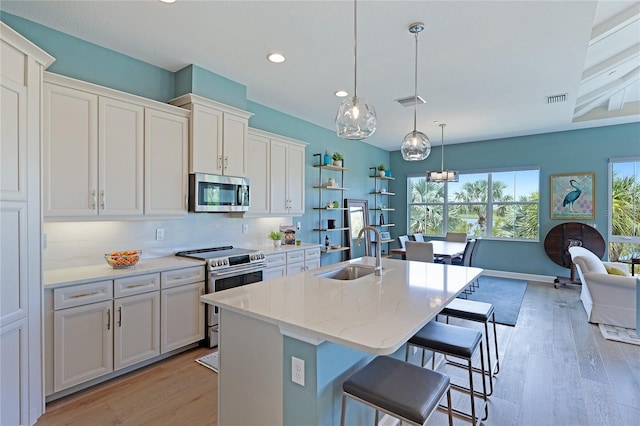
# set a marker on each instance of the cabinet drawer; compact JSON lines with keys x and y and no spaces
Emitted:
{"x":82,"y":294}
{"x":136,"y":285}
{"x":312,"y":253}
{"x":277,"y":259}
{"x":295,"y":256}
{"x":178,"y":277}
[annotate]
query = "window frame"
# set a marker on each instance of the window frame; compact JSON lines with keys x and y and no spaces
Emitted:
{"x":625,"y":239}
{"x":490,"y":204}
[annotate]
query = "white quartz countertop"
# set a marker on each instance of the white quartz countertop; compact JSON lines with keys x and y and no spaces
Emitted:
{"x":375,"y":314}
{"x":270,"y":249}
{"x":71,"y":276}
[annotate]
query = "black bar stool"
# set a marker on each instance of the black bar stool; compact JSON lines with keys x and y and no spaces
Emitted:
{"x":400,"y":389}
{"x":460,"y":342}
{"x":483,"y":312}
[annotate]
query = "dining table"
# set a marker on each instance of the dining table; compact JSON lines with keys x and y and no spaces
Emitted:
{"x":442,"y":249}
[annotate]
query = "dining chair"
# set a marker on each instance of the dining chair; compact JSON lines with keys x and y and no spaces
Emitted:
{"x":403,"y":239}
{"x":422,"y":252}
{"x":419,"y":237}
{"x":458,"y":237}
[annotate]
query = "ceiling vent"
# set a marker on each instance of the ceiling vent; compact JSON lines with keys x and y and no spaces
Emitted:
{"x":556,"y":98}
{"x":410,"y":100}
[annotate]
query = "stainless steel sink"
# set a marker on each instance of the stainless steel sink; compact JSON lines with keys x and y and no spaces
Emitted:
{"x":350,"y":272}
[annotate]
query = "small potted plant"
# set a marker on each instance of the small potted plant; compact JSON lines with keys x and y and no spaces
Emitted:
{"x":276,"y":237}
{"x":337,"y":159}
{"x":381,"y":169}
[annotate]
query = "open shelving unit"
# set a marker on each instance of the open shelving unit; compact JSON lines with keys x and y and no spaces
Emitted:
{"x":381,"y":203}
{"x":325,"y":212}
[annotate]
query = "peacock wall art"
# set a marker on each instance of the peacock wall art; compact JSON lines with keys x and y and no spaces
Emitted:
{"x":572,"y":196}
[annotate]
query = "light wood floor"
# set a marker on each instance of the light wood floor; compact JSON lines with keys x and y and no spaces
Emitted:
{"x":556,"y":369}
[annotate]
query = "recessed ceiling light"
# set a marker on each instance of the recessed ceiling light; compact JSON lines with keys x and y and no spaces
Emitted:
{"x":341,"y":93}
{"x":276,"y":58}
{"x":168,"y":1}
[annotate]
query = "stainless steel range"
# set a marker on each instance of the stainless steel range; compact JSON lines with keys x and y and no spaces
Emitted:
{"x":228,"y":267}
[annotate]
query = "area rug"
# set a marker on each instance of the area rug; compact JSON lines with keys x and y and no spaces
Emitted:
{"x":210,"y":361}
{"x":620,"y":334}
{"x":504,"y":294}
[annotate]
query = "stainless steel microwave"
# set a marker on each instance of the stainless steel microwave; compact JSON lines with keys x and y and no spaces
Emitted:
{"x":213,"y":193}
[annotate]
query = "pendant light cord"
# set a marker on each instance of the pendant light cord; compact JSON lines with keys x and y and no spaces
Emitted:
{"x":415,"y":85}
{"x":442,"y":148}
{"x":355,"y":49}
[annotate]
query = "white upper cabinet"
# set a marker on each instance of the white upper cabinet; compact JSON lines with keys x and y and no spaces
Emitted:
{"x":276,"y":171}
{"x":218,"y":143}
{"x":70,"y":152}
{"x":166,"y":137}
{"x":111,"y":154}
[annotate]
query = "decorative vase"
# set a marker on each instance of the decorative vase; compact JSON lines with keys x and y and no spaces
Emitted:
{"x":337,"y":163}
{"x":277,"y":243}
{"x":387,"y":173}
{"x":381,"y":173}
{"x":327,"y":159}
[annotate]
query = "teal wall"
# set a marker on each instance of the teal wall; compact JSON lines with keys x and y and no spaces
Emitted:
{"x":575,"y":151}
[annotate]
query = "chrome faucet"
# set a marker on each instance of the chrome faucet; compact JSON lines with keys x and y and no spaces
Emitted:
{"x":378,"y":269}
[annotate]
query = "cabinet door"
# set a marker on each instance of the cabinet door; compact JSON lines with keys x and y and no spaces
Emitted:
{"x":258,"y":173}
{"x":278,"y":178}
{"x":70,"y":160}
{"x":295,"y":268}
{"x":165,"y":156}
{"x":235,"y":145}
{"x":274,"y":272}
{"x":83,"y":344}
{"x":312,"y":264}
{"x":206,"y":140}
{"x":137,"y":329}
{"x":120,"y":155}
{"x":14,"y":409}
{"x":14,"y":262}
{"x":182,"y":316}
{"x":13,"y":141}
{"x":295,"y":179}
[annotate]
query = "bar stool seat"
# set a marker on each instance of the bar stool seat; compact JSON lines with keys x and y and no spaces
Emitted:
{"x":398,"y":388}
{"x":459,"y":342}
{"x":482,"y":312}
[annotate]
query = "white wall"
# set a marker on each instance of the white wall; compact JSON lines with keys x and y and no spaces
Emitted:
{"x":70,"y":244}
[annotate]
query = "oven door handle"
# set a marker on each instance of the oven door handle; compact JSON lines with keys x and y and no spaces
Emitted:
{"x":253,"y":268}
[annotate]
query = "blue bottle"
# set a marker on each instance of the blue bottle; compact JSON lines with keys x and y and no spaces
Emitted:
{"x":327,"y":158}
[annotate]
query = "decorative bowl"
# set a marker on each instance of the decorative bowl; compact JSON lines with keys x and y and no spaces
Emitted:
{"x":123,"y":259}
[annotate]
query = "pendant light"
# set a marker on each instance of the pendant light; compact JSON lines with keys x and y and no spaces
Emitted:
{"x":356,"y":119}
{"x":443,"y":175}
{"x":415,"y":145}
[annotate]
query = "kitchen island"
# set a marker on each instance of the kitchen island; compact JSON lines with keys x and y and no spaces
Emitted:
{"x":334,"y":326}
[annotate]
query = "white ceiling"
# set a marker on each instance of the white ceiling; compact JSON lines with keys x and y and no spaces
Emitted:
{"x":485,"y":67}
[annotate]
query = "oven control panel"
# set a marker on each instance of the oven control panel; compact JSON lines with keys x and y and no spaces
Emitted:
{"x":224,"y":262}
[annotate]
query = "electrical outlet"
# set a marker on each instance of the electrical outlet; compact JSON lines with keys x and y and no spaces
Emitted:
{"x":297,"y":370}
{"x":245,"y":228}
{"x":159,"y":234}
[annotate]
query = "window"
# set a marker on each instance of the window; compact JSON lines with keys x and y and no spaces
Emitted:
{"x":624,"y":205}
{"x":498,"y":204}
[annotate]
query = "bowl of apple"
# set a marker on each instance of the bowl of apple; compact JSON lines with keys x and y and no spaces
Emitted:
{"x":126,"y":259}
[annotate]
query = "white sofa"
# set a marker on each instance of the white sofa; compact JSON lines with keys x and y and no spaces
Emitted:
{"x":607,"y":298}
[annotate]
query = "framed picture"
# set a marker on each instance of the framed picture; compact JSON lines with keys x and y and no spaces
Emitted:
{"x":573,"y":196}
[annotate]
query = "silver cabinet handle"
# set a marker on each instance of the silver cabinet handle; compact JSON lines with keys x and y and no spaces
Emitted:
{"x":120,"y":316}
{"x":109,"y":319}
{"x":93,"y":200}
{"x":76,"y":296}
{"x":226,"y":163}
{"x":220,"y":162}
{"x":102,"y":200}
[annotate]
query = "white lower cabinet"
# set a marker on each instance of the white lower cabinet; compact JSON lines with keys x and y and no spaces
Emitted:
{"x":291,"y":262}
{"x":96,"y":328}
{"x":83,"y":344}
{"x":182,"y":316}
{"x":276,"y":266}
{"x":137,"y":329}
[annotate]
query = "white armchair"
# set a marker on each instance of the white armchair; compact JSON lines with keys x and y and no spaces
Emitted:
{"x":607,"y":298}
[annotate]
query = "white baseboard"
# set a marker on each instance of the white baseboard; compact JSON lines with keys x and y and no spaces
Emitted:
{"x":519,"y":276}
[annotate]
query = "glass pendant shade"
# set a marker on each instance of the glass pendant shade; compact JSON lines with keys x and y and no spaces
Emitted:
{"x":356,"y":119}
{"x":415,"y":146}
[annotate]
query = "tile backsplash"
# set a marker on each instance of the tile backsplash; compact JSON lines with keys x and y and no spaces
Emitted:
{"x":70,"y":244}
